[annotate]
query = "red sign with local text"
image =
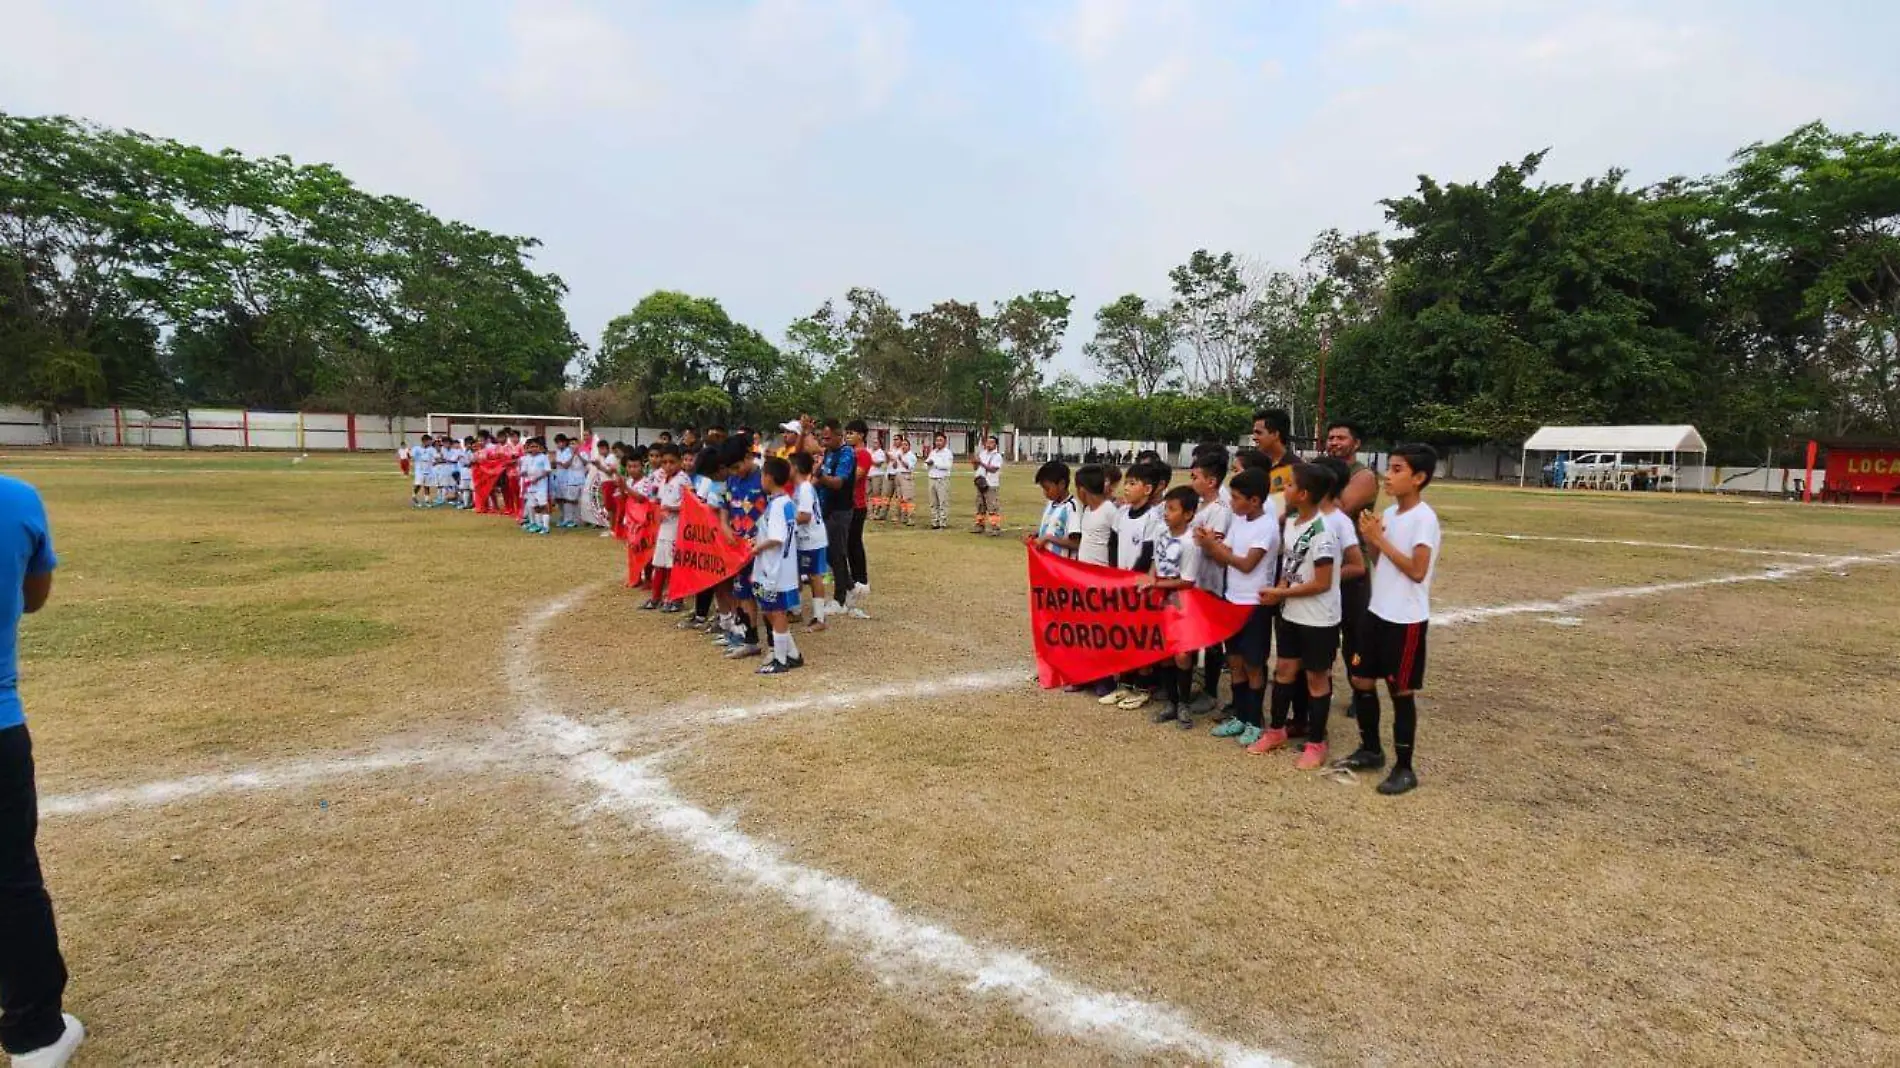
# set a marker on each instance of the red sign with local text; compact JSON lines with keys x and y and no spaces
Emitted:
{"x":1090,"y":622}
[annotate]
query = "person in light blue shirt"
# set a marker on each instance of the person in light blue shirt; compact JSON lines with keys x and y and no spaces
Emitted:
{"x":32,"y":973}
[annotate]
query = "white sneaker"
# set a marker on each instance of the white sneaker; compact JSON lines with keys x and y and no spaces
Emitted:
{"x":834,"y":610}
{"x":858,"y":613}
{"x":57,"y":1054}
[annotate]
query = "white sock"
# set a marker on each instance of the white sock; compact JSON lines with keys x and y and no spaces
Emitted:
{"x":817,"y":609}
{"x":782,"y":646}
{"x":791,"y":646}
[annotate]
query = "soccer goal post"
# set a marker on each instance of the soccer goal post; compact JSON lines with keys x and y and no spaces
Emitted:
{"x":466,"y":424}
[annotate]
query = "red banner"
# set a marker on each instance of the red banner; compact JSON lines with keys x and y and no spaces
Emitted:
{"x":1089,"y":622}
{"x":642,"y":524}
{"x":487,"y":473}
{"x":703,"y":556}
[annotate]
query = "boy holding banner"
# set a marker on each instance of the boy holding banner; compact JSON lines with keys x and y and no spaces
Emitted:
{"x":1176,"y":559}
{"x":1058,"y":531}
{"x":1210,"y":514}
{"x":1246,"y":553}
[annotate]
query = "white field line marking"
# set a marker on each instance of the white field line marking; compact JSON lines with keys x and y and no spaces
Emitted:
{"x":1638,"y":544}
{"x":1582,"y":599}
{"x":894,"y":942}
{"x":270,"y":777}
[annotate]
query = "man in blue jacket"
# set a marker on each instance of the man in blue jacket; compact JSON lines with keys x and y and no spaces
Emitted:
{"x":32,"y":974}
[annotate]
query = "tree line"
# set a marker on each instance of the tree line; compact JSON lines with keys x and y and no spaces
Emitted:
{"x":1760,"y":303}
{"x":145,"y":272}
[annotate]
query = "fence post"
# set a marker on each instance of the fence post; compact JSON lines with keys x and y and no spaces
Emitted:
{"x":350,"y":426}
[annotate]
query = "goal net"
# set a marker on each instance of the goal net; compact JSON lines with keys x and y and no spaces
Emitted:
{"x":460,"y":425}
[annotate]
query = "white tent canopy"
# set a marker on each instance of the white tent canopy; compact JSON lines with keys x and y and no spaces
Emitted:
{"x":1616,"y":439}
{"x":1620,"y":440}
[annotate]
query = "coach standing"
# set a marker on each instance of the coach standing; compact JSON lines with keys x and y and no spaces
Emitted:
{"x":32,"y":975}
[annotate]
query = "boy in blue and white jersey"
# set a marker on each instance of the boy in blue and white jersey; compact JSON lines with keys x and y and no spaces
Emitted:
{"x":536,"y":471}
{"x":775,"y":566}
{"x":422,"y":464}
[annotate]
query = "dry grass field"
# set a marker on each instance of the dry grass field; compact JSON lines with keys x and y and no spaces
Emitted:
{"x":328,"y":780}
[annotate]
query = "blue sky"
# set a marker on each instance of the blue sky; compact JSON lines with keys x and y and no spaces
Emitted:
{"x":773,"y":153}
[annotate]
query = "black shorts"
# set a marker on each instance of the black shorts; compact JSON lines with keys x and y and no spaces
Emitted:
{"x":1394,"y":652}
{"x":1354,"y":596}
{"x":1313,"y":647}
{"x":1251,"y":643}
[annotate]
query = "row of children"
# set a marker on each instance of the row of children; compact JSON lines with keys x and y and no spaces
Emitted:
{"x":1316,"y":582}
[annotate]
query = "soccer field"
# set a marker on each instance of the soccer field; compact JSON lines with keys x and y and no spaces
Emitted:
{"x":326,"y":779}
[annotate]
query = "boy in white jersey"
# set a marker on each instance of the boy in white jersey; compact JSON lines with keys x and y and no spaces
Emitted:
{"x":1176,"y":560}
{"x":465,"y":474}
{"x":670,"y":493}
{"x":1247,"y":553}
{"x":1137,"y":523}
{"x":444,"y":471}
{"x":939,"y":463}
{"x":535,"y":473}
{"x":814,"y":543}
{"x":1210,"y":468}
{"x":1058,"y":531}
{"x":1098,"y":513}
{"x":422,"y":467}
{"x":1405,"y":544}
{"x":775,"y":567}
{"x":1307,"y":630}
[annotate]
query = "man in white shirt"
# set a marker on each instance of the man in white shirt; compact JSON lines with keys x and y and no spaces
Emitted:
{"x":938,"y":465}
{"x":989,"y":485}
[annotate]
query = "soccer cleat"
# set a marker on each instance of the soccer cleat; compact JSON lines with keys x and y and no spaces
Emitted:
{"x":742,"y":651}
{"x":1168,"y":713}
{"x":1250,"y":737}
{"x":795,"y":662}
{"x":1113,"y":697}
{"x":1400,"y":781}
{"x":1137,"y":698}
{"x":1267,"y":741}
{"x":856,"y":613}
{"x":1312,"y":758}
{"x":1228,"y":727}
{"x":650,"y":605}
{"x":1361,"y":759}
{"x":773,"y":667}
{"x":57,"y":1054}
{"x":692,"y":622}
{"x":672,"y":608}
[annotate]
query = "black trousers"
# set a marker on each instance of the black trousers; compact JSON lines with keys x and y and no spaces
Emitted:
{"x":32,"y":973}
{"x":838,"y":549}
{"x":859,"y":574}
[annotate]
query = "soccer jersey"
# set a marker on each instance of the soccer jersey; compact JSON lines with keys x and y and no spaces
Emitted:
{"x":811,"y":532}
{"x":1057,"y":523}
{"x":26,"y":548}
{"x":1308,"y":545}
{"x":842,"y":463}
{"x":1098,"y":534}
{"x":775,"y":569}
{"x":1395,"y":598}
{"x":534,"y":474}
{"x":745,"y":503}
{"x":1243,"y":537}
{"x":1135,"y":532}
{"x":672,"y":494}
{"x":710,"y":491}
{"x":1210,"y":575}
{"x":1176,"y":557}
{"x":1345,"y":535}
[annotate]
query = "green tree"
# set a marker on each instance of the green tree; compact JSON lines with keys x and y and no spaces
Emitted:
{"x":1135,"y":343}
